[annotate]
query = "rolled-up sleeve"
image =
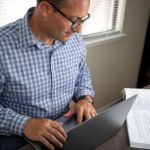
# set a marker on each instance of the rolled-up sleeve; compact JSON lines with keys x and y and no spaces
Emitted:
{"x":84,"y":82}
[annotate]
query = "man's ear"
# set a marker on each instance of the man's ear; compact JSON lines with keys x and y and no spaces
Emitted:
{"x":44,"y":8}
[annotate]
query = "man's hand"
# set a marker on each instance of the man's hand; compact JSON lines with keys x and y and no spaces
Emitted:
{"x":46,"y":131}
{"x":83,"y":109}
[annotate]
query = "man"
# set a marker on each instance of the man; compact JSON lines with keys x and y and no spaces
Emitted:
{"x":42,"y":68}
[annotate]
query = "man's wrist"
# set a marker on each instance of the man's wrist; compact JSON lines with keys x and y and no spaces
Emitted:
{"x":87,"y":98}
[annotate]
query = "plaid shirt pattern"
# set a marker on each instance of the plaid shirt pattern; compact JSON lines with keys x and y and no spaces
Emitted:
{"x":38,"y":80}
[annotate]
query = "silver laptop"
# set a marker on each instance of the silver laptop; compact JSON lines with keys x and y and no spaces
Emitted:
{"x":91,"y":133}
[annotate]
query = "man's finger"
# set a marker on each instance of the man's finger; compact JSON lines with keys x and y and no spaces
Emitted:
{"x":80,"y":115}
{"x":93,"y":114}
{"x":88,"y":115}
{"x":44,"y":141}
{"x":58,"y":135}
{"x":59,"y":128}
{"x":69,"y":113}
{"x":53,"y":139}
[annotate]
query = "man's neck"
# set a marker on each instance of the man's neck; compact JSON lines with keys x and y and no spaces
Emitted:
{"x":37,"y":30}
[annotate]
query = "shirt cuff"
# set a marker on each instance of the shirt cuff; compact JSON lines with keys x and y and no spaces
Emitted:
{"x":76,"y":99}
{"x":15,"y":123}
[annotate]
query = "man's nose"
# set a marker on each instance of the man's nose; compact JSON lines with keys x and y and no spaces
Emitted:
{"x":78,"y":29}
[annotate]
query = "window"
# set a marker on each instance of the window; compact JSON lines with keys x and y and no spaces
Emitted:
{"x":11,"y":10}
{"x":103,"y":17}
{"x":106,"y":15}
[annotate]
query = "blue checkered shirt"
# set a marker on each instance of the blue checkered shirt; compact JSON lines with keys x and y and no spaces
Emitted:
{"x":38,"y":80}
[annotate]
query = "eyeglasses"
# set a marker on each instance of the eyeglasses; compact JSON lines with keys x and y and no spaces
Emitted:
{"x":75,"y":23}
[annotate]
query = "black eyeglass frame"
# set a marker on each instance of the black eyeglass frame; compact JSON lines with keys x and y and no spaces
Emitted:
{"x":74,"y":23}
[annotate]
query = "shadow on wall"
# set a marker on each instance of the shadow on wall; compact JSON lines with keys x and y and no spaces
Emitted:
{"x":144,"y":74}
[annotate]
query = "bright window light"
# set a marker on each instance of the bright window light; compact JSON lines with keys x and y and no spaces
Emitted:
{"x":105,"y":14}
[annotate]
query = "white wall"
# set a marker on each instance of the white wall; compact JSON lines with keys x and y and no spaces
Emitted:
{"x":115,"y":65}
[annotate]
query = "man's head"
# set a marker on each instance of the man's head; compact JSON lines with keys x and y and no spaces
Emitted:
{"x":57,"y":3}
{"x":61,"y":18}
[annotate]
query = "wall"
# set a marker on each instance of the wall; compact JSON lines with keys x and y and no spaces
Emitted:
{"x":115,"y":65}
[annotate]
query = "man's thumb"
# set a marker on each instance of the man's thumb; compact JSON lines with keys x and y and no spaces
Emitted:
{"x":69,"y":113}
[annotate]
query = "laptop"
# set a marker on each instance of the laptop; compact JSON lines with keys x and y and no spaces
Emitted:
{"x":91,"y":133}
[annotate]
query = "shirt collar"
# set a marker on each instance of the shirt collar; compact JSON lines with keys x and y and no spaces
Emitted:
{"x":27,"y":39}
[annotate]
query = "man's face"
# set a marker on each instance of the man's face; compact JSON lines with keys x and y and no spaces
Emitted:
{"x":58,"y":26}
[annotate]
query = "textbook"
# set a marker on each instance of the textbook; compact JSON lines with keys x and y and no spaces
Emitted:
{"x":138,"y":119}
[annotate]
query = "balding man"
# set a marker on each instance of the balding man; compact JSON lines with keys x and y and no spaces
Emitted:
{"x":42,"y":68}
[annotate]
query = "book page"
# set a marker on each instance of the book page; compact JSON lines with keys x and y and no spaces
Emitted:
{"x":138,"y":119}
{"x":138,"y":123}
{"x":143,"y":97}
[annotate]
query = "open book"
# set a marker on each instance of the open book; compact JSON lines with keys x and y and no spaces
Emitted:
{"x":138,"y":119}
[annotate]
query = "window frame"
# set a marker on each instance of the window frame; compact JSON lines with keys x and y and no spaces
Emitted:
{"x":101,"y":37}
{"x":112,"y":35}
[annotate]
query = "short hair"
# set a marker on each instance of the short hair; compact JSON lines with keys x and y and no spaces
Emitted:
{"x":57,"y":3}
